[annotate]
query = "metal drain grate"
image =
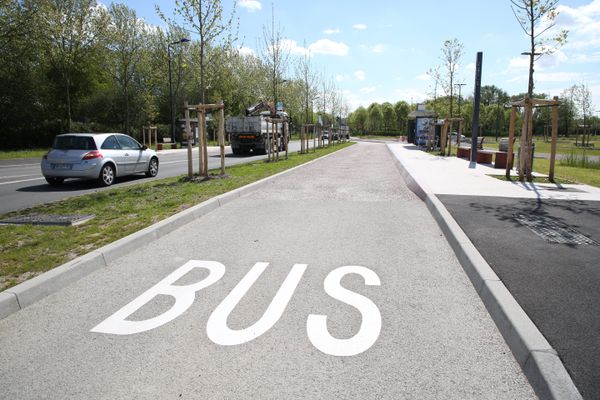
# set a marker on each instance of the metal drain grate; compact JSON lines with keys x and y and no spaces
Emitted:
{"x":552,"y":231}
{"x":48,"y":219}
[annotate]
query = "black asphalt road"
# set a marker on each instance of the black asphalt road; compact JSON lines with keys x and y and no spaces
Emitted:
{"x":558,"y":285}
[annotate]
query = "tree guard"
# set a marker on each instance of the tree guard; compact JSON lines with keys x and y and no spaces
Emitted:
{"x":201,"y":110}
{"x":525,"y":159}
{"x":448,"y":125}
{"x":149,"y":130}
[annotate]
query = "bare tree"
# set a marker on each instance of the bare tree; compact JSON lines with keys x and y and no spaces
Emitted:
{"x":536,"y":18}
{"x":306,"y":74}
{"x":205,"y":18}
{"x":452,"y":51}
{"x":434,"y":74}
{"x":275,"y":55}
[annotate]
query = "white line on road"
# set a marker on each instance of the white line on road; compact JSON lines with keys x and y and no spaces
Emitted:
{"x":17,"y":165}
{"x":172,"y":162}
{"x":16,"y":176}
{"x":24,"y":180}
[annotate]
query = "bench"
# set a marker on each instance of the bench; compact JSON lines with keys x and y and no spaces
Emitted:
{"x":485,"y":156}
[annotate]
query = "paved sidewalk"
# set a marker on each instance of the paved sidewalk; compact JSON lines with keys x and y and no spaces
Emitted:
{"x":379,"y":307}
{"x":542,"y":241}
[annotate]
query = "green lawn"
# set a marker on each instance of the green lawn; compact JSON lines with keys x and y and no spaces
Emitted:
{"x":14,"y":154}
{"x":586,"y":176}
{"x":27,"y":250}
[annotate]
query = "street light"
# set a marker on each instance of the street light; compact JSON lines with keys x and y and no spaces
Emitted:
{"x":171,"y":105}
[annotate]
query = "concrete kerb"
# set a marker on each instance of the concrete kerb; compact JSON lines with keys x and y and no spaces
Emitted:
{"x":538,"y":360}
{"x":32,"y":290}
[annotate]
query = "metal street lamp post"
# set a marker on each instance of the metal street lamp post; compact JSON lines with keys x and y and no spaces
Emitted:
{"x":171,"y":105}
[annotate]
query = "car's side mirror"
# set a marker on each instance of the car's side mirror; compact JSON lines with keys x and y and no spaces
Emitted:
{"x":144,"y":147}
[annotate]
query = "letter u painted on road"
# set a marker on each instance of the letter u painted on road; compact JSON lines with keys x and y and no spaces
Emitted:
{"x":216,"y":327}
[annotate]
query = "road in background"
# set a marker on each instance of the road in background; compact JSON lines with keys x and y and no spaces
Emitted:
{"x":362,"y":298}
{"x":22,"y":184}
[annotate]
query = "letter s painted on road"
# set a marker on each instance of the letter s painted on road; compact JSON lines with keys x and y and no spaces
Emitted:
{"x":370,"y":327}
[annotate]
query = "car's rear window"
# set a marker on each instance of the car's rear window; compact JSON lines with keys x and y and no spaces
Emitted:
{"x":74,"y":143}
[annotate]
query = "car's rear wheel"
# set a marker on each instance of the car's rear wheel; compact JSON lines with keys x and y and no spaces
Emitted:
{"x":152,"y":168}
{"x":54,"y":181}
{"x":107,"y":175}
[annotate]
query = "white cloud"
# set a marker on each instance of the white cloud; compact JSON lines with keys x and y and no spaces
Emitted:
{"x":378,"y":48}
{"x":250,"y":5}
{"x":293,"y":47}
{"x":422,"y":77}
{"x":411,"y":95}
{"x":341,"y":78}
{"x":360,"y":27}
{"x":331,"y":31}
{"x":518,"y":63}
{"x":558,"y":77}
{"x":246,"y":51}
{"x":471,"y":67}
{"x":329,"y":47}
{"x":359,"y":75}
{"x":368,"y":89}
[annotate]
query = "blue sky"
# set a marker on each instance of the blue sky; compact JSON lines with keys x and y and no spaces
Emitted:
{"x":380,"y":50}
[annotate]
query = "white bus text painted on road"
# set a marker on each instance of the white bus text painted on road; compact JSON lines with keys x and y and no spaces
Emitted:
{"x":217,"y":329}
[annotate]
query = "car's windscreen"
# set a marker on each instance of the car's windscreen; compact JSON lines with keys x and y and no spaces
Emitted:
{"x":74,"y":143}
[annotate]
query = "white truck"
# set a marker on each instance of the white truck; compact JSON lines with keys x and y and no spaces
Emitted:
{"x":252,"y":132}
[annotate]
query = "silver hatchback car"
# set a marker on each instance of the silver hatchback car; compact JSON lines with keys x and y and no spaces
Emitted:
{"x":102,"y":156}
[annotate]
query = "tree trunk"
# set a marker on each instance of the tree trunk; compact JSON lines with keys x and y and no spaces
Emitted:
{"x":68,"y":88}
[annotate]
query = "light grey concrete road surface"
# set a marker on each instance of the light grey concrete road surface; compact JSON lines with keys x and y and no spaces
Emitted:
{"x":362,"y":298}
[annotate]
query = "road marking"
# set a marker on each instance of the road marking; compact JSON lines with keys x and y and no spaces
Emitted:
{"x":370,"y":327}
{"x":184,"y":297}
{"x":24,"y":180}
{"x":15,"y":176}
{"x":216,"y":326}
{"x":17,"y":165}
{"x":172,"y":162}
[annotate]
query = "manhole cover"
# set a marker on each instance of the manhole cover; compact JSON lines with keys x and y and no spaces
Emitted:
{"x":553,"y":231}
{"x":49,"y":219}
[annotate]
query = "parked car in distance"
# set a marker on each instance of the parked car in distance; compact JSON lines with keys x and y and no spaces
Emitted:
{"x":102,"y":156}
{"x":454,"y":137}
{"x":325,"y":135}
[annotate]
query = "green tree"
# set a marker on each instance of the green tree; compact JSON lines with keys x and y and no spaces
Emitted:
{"x":452,"y":52}
{"x":389,"y":116}
{"x":125,"y":41}
{"x":72,"y":29}
{"x":375,"y":118}
{"x":358,"y":120}
{"x":402,"y":110}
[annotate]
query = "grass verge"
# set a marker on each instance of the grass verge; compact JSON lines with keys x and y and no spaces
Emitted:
{"x":536,"y":179}
{"x":13,"y":155}
{"x":29,"y":250}
{"x":574,"y":174}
